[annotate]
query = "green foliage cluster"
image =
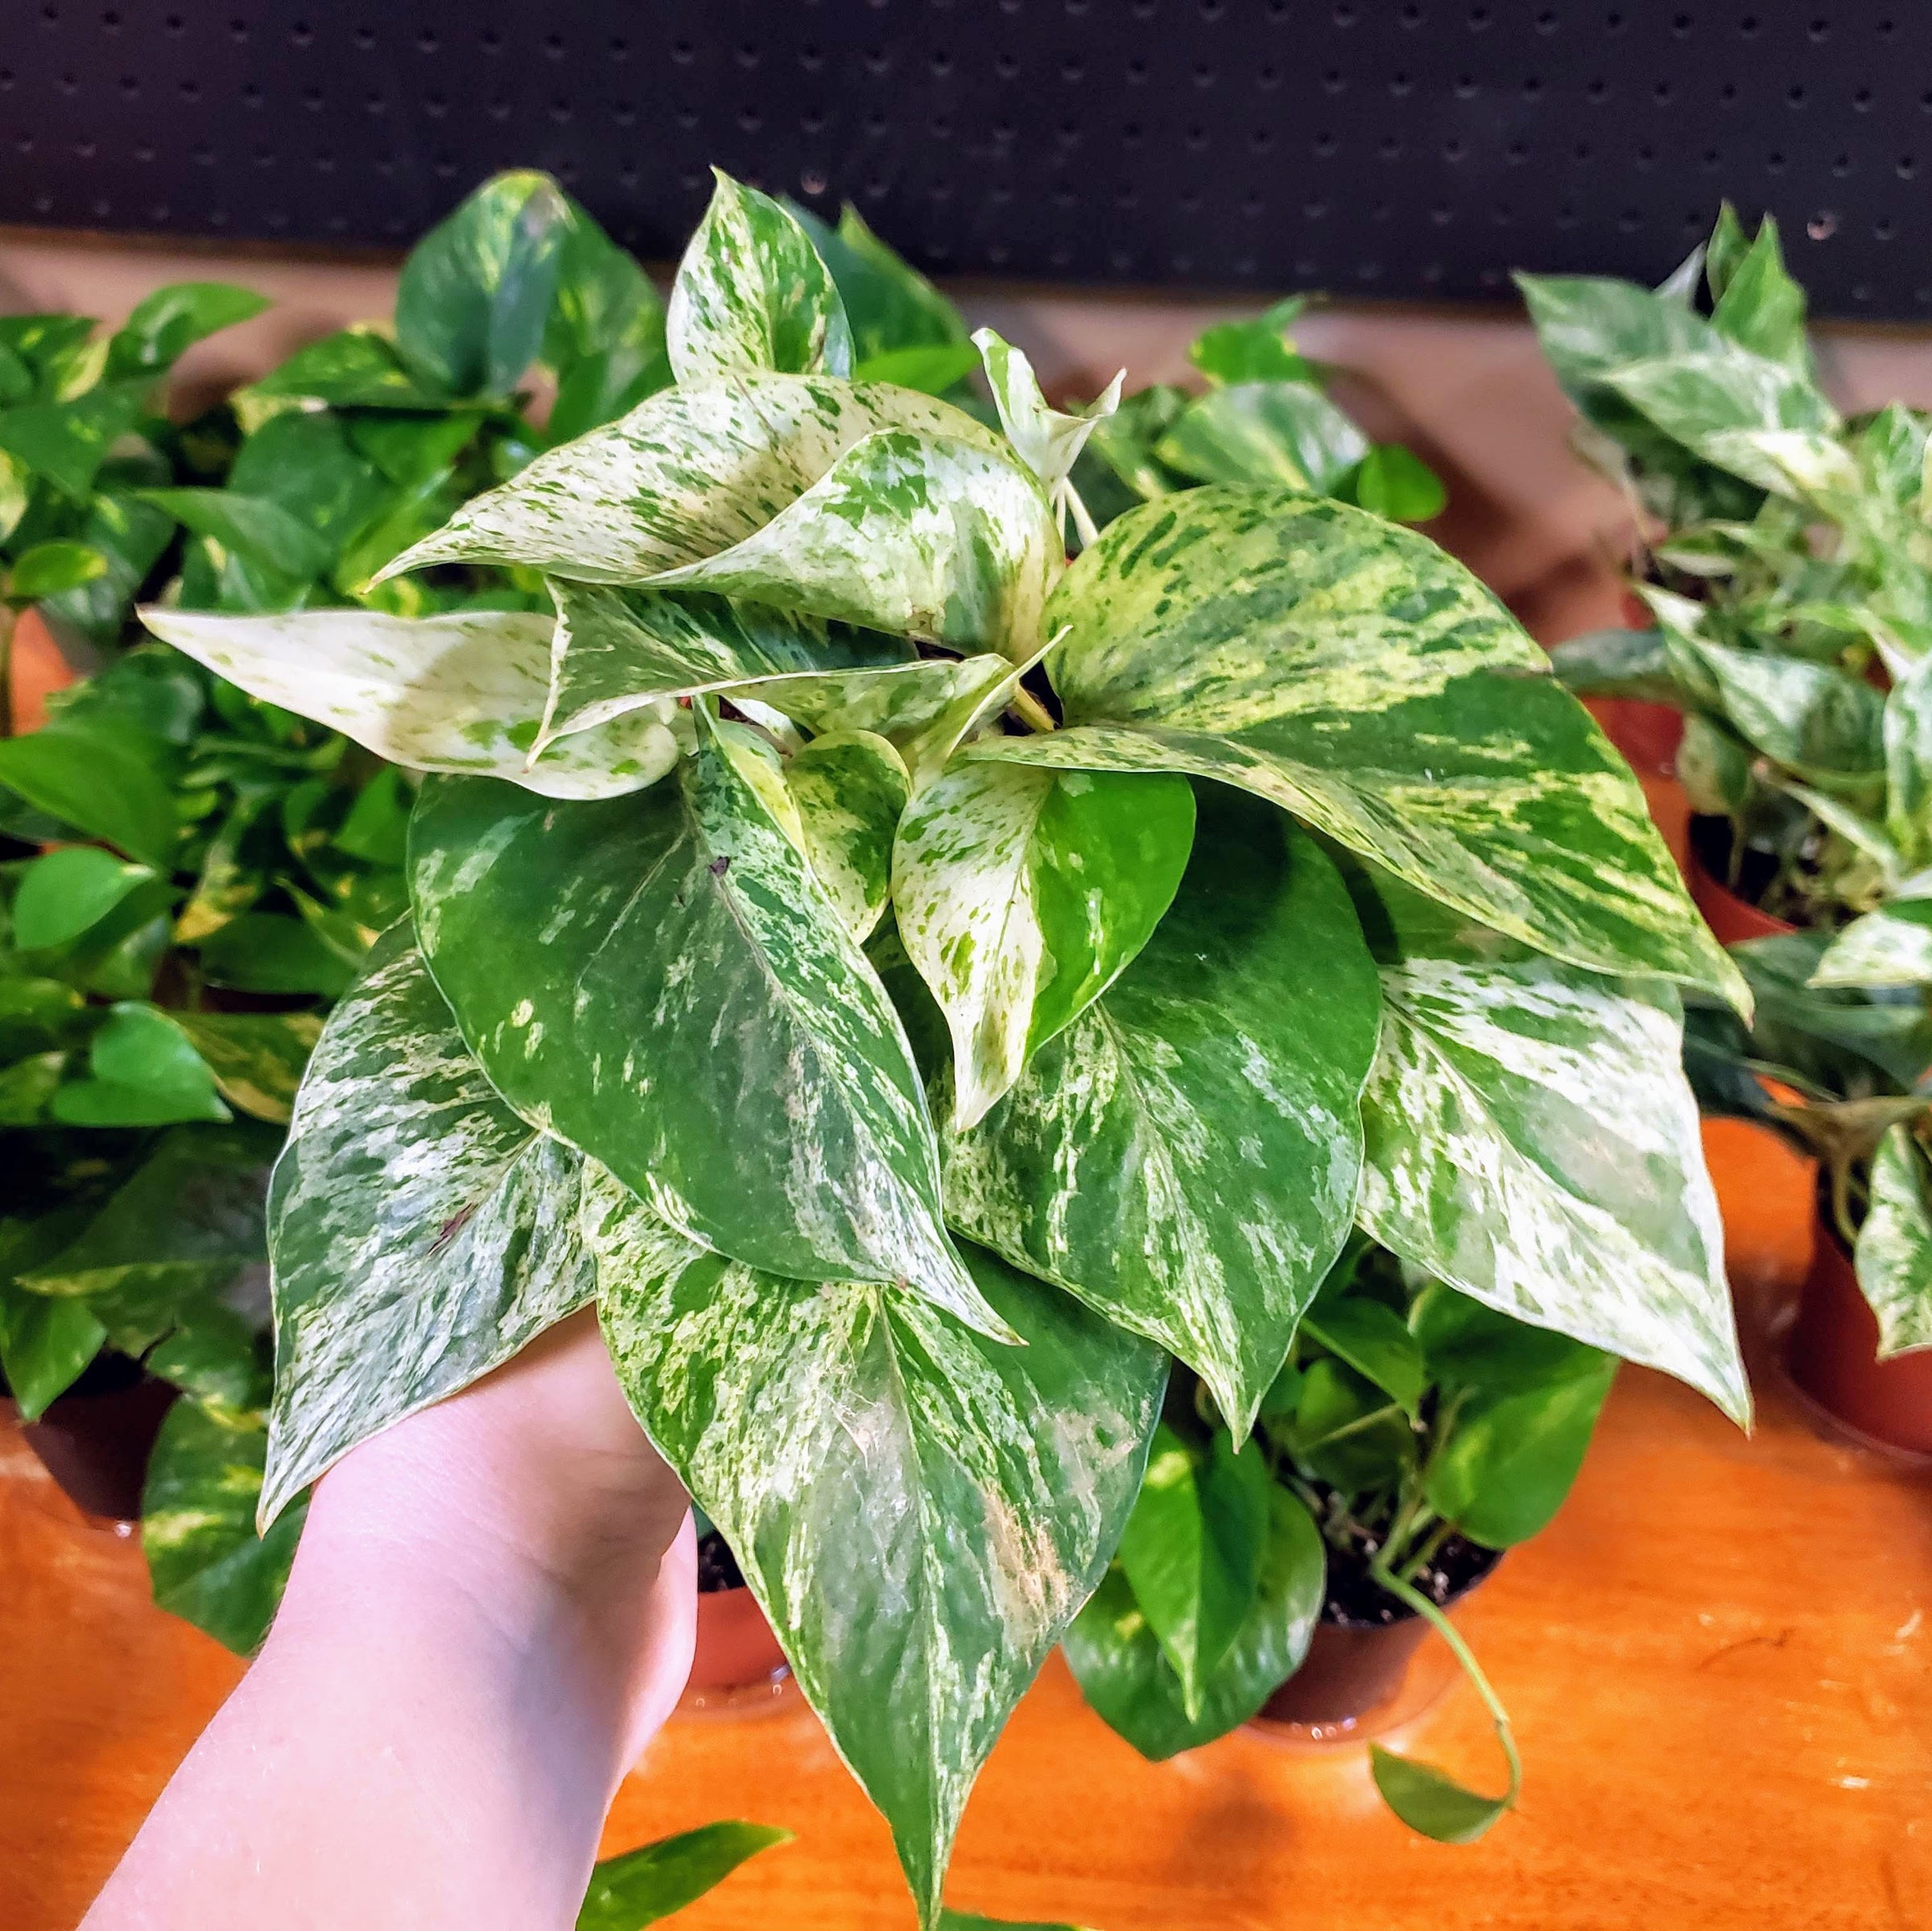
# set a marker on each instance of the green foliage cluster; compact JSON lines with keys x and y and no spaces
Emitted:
{"x":846,"y":940}
{"x":1790,"y":584}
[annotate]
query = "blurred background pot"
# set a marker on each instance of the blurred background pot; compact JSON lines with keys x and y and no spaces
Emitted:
{"x":1832,"y":1355}
{"x":737,"y":1667}
{"x":95,"y":1439}
{"x":1731,"y":917}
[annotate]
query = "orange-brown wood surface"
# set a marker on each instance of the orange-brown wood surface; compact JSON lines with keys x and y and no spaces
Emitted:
{"x":1719,"y":1660}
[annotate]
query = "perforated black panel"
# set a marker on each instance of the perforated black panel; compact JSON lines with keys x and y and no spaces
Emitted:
{"x":1394,"y":148}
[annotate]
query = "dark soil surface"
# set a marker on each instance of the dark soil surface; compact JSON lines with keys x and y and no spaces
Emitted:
{"x":1356,"y":1601}
{"x":1710,"y":840}
{"x":717,"y":1567}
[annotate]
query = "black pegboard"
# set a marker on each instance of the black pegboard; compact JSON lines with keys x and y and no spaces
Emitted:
{"x":1413,"y":148}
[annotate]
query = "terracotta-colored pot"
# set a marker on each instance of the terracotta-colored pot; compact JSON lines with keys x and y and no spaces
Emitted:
{"x":38,"y":670}
{"x":737,"y":1664}
{"x":1647,"y":734}
{"x":95,"y":1440}
{"x":1732,"y":919}
{"x":1832,"y":1354}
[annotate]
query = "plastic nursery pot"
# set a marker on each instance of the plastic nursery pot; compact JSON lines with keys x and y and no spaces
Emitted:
{"x":1831,"y":1353}
{"x":95,"y":1440}
{"x":1730,"y":918}
{"x":737,"y":1669}
{"x":1363,"y":1674}
{"x":38,"y":670}
{"x":1647,"y":734}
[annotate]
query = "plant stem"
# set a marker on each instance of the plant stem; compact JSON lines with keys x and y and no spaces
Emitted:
{"x":1030,"y":712}
{"x":1414,"y":1598}
{"x":1351,"y":1427}
{"x":1424,"y":1556}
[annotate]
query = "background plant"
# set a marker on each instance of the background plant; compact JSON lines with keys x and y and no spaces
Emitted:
{"x":1246,"y":880}
{"x":1410,"y":1429}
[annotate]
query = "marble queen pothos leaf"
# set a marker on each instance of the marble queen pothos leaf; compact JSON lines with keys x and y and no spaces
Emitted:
{"x":420,"y":1233}
{"x":919,"y":1511}
{"x":1531,"y":1141}
{"x":1358,"y":677}
{"x":690,"y":471}
{"x":752,"y":293}
{"x":463,"y":692}
{"x":1184,"y":1157}
{"x":663,"y":982}
{"x":1894,"y":1251}
{"x":1023,"y":894}
{"x":917,"y":534}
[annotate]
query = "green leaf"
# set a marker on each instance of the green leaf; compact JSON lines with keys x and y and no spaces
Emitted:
{"x":99,"y":780}
{"x":1257,"y":350}
{"x":1374,"y":1341}
{"x":204,"y":1559}
{"x":172,"y":319}
{"x":1470,"y":1346}
{"x":911,"y":1510}
{"x":65,"y":892}
{"x":932,"y":368}
{"x":1816,"y":719}
{"x":271,"y":952}
{"x":1833,"y":1037}
{"x":131,"y":536}
{"x":355,"y":368}
{"x":257,"y":1058}
{"x":849,"y":789}
{"x":1761,"y":308}
{"x":690,"y":472}
{"x":1126,"y":441}
{"x":1510,"y":1459}
{"x":890,"y":305}
{"x":931,"y":537}
{"x":1347,"y":1433}
{"x":475,"y":291}
{"x":1351,"y":674}
{"x":421,"y":1232}
{"x":46,"y":1341}
{"x":1125,"y":1676}
{"x":1428,"y":1800}
{"x":1192,"y":1552}
{"x":464,"y":691}
{"x":616,"y":650}
{"x":36,"y":1015}
{"x":259,"y":529}
{"x":1714,"y":766}
{"x":144,"y":1071}
{"x":1891,"y":947}
{"x":1728,"y":247}
{"x":751,"y":293}
{"x":1894,"y":1252}
{"x":1531,"y":1142}
{"x":67,"y":442}
{"x":1264,"y":432}
{"x":50,"y":569}
{"x":639,"y":1887}
{"x":1021,"y":896}
{"x":605,"y":334}
{"x":642,"y":976}
{"x":1397,"y":483}
{"x":1183,"y":1155}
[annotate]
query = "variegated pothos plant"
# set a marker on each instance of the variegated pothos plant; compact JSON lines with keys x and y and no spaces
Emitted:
{"x":914,"y":987}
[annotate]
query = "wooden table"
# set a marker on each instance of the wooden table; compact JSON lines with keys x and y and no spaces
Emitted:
{"x":1717,"y":1660}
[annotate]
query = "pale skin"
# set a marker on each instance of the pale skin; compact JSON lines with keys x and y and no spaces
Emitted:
{"x":491,"y":1612}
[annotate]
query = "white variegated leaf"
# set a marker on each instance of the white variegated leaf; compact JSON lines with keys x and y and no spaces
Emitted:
{"x":925,"y":536}
{"x":1049,"y":440}
{"x":1891,"y":947}
{"x":1894,"y":1252}
{"x":691,"y":471}
{"x":752,"y":293}
{"x":849,"y":789}
{"x":1022,"y":894}
{"x":901,"y":702}
{"x":419,"y":1232}
{"x":919,"y":1511}
{"x":1532,"y":1140}
{"x":463,"y":693}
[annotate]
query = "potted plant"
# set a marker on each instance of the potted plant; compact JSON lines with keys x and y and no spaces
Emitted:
{"x":1244,"y":880}
{"x":1412,"y":1435}
{"x":1789,"y":590}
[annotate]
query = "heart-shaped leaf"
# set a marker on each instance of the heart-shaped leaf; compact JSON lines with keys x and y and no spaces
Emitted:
{"x":1894,"y":1250}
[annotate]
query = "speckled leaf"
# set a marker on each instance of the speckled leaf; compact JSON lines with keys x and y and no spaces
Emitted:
{"x":1049,"y":441}
{"x":257,"y":1058}
{"x":1264,"y":432}
{"x":1818,"y":720}
{"x":1023,"y":894}
{"x":420,"y":1232}
{"x":927,"y":536}
{"x":1354,"y":674}
{"x":1131,"y":1685}
{"x":902,"y":703}
{"x":617,"y":651}
{"x":751,"y":293}
{"x":690,"y":471}
{"x":850,"y":789}
{"x":1531,"y":1141}
{"x":1894,"y":1251}
{"x":1185,"y":1156}
{"x":462,"y":692}
{"x":204,"y":1560}
{"x":1891,"y":947}
{"x":919,"y":1511}
{"x":663,"y":982}
{"x":1908,"y":740}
